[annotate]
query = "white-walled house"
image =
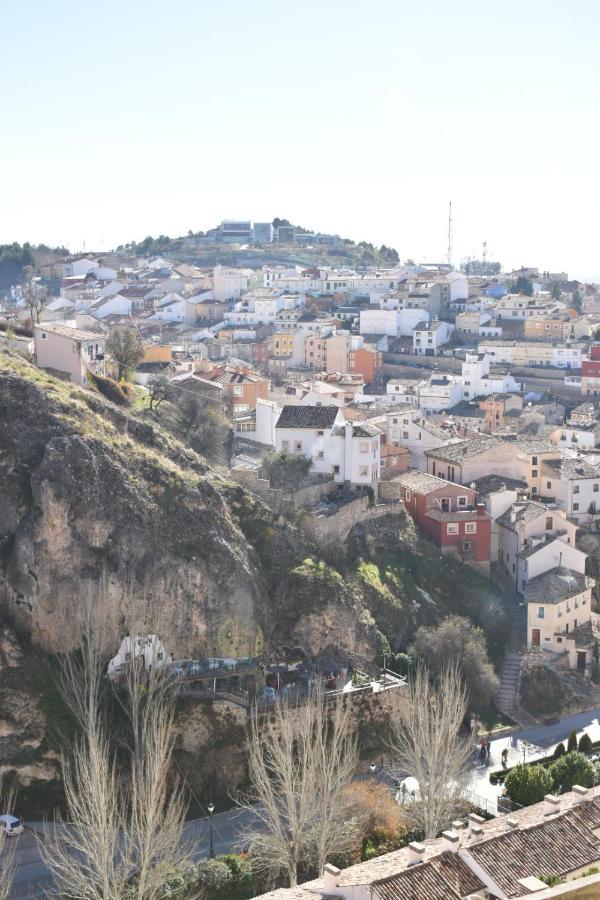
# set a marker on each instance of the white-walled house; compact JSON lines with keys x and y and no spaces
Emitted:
{"x":440,"y":392}
{"x":181,"y":310}
{"x":534,"y":539}
{"x":575,"y":485}
{"x":112,"y":306}
{"x":428,"y":337}
{"x":418,"y":433}
{"x":148,"y":650}
{"x":349,"y":452}
{"x":402,"y":391}
{"x":394,"y":323}
{"x":229,"y":283}
{"x":478,"y":382}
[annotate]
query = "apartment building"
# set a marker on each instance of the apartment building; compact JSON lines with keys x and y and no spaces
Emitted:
{"x":534,"y":354}
{"x":429,"y":337}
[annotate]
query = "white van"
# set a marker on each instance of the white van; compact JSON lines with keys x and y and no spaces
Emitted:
{"x":11,"y":825}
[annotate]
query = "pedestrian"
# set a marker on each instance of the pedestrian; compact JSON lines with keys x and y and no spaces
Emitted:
{"x":505,"y":758}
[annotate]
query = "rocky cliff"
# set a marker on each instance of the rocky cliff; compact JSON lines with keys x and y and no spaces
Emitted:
{"x":94,"y":499}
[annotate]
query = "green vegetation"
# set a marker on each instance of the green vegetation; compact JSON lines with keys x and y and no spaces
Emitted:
{"x":125,"y":345}
{"x":528,"y":784}
{"x":572,"y":742}
{"x":522,"y":285}
{"x":559,"y":751}
{"x":13,"y":259}
{"x":585,"y":743}
{"x":572,"y":768}
{"x":286,"y":471}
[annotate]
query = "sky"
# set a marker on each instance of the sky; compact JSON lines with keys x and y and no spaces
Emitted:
{"x":123,"y":119}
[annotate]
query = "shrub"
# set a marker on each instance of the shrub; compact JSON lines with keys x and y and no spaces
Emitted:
{"x":572,"y":742}
{"x":528,"y":784}
{"x":109,"y":388}
{"x":214,"y":874}
{"x":572,"y":768}
{"x":559,"y":751}
{"x":585,"y":743}
{"x":401,"y":663}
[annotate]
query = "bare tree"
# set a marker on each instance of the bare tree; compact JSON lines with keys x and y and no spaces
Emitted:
{"x":300,"y":760}
{"x":36,"y":297}
{"x":428,"y":745}
{"x":7,"y":849}
{"x":124,"y":825}
{"x":159,"y":389}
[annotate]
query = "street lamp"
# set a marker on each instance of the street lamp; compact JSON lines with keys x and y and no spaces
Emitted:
{"x":211,"y":809}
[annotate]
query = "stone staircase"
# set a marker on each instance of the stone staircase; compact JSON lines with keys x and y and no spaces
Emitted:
{"x":507,"y":697}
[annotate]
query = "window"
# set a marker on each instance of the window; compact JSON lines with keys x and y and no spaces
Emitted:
{"x":298,"y":446}
{"x":238,"y":392}
{"x":595,"y":488}
{"x":407,"y":495}
{"x":540,"y":612}
{"x":320,"y":454}
{"x":575,"y":507}
{"x":405,"y":435}
{"x":320,"y":433}
{"x":534,"y":460}
{"x":534,"y":473}
{"x":336,"y":470}
{"x":549,"y":523}
{"x":534,"y":490}
{"x":575,"y":488}
{"x":44,"y":335}
{"x":462,"y":501}
{"x":363,"y":471}
{"x":549,"y":485}
{"x":364,"y":447}
{"x":471,"y":528}
{"x":452,"y":528}
{"x":285,"y":446}
{"x":466,"y":546}
{"x":394,"y":421}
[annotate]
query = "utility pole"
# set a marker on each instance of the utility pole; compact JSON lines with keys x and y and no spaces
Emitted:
{"x":450,"y":234}
{"x":484,"y":257}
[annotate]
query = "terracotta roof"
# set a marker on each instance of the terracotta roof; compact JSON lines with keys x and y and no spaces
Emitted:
{"x":556,"y":847}
{"x":463,"y":450}
{"x":444,"y":877}
{"x":555,"y":586}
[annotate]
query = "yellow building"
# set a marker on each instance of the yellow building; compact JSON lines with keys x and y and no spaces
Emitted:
{"x":159,"y":353}
{"x":282,"y":343}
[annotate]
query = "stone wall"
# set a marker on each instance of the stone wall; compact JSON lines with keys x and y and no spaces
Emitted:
{"x":308,"y":495}
{"x":332,"y":531}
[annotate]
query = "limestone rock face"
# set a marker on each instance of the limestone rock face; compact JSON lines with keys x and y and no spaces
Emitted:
{"x":95,"y":501}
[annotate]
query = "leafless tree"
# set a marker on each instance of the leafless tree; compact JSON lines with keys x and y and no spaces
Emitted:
{"x":300,"y":760}
{"x":428,"y":745}
{"x":123,"y":831}
{"x":36,"y":297}
{"x":159,"y":389}
{"x":7,"y":848}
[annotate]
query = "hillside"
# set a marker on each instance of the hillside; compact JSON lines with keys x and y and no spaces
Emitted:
{"x":95,"y":499}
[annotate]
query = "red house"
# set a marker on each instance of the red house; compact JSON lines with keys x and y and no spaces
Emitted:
{"x":590,"y":372}
{"x":449,"y":515}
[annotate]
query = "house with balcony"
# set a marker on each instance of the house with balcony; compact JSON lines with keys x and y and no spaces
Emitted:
{"x":70,"y":353}
{"x":574,"y":484}
{"x":450,"y":516}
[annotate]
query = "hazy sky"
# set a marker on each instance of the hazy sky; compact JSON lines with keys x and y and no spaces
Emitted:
{"x":122,"y":119}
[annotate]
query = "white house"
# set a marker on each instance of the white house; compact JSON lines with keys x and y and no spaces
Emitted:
{"x":440,"y":391}
{"x":111,"y":306}
{"x":428,"y":337}
{"x":575,"y":485}
{"x":418,"y":433}
{"x":229,"y":284}
{"x":148,"y":650}
{"x":393,"y":322}
{"x":349,"y":452}
{"x":559,"y":606}
{"x":478,"y":382}
{"x":71,"y":351}
{"x":182,"y":310}
{"x":402,"y":391}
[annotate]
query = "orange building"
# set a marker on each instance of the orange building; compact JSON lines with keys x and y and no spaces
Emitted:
{"x":241,"y":385}
{"x":365,"y":361}
{"x":544,"y":329}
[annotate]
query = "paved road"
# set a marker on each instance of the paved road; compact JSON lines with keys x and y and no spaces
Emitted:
{"x":32,"y":876}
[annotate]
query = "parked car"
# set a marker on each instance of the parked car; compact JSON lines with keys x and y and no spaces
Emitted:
{"x":11,"y":825}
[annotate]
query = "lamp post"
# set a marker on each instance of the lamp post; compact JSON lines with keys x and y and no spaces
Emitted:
{"x":211,"y":809}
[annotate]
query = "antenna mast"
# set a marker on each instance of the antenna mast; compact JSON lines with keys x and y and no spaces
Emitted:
{"x":484,"y":258}
{"x":450,"y":234}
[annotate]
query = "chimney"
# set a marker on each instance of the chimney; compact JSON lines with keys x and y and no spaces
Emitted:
{"x":476,"y":833}
{"x":474,"y":819}
{"x":481,"y":509}
{"x":450,"y":841}
{"x":511,"y":824}
{"x":551,"y":805}
{"x":580,"y":792}
{"x":459,"y":826}
{"x":331,"y":876}
{"x":416,"y":853}
{"x":513,"y":515}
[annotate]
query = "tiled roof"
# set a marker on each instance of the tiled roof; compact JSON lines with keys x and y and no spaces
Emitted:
{"x":422,"y":482}
{"x":307,"y":417}
{"x":463,"y":450}
{"x":555,"y":847}
{"x":526,"y":510}
{"x":490,"y":484}
{"x":555,"y":585}
{"x":445,"y":876}
{"x":572,"y":469}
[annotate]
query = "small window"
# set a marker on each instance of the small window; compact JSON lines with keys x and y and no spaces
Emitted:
{"x":534,"y":473}
{"x":320,"y":433}
{"x":575,"y":507}
{"x":534,"y":460}
{"x":44,"y":335}
{"x":452,"y":528}
{"x":549,"y":485}
{"x":462,"y":501}
{"x":549,"y":523}
{"x":466,"y":546}
{"x":336,"y":470}
{"x":363,"y":471}
{"x":320,"y":454}
{"x":407,"y":495}
{"x":575,"y":488}
{"x":471,"y":528}
{"x":298,"y":446}
{"x":595,"y":488}
{"x":540,"y":612}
